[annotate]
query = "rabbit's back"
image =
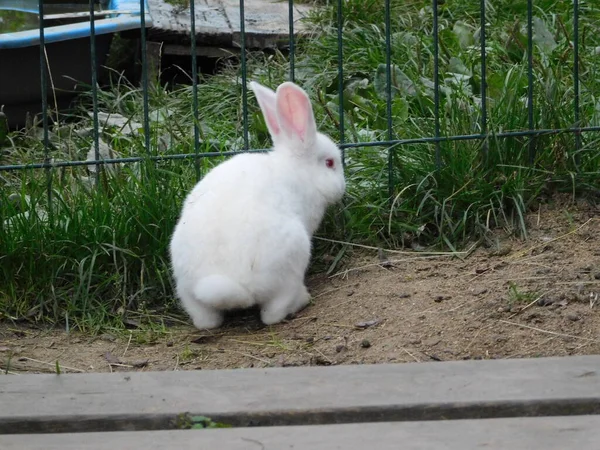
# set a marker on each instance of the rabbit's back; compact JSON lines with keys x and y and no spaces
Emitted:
{"x":237,"y":223}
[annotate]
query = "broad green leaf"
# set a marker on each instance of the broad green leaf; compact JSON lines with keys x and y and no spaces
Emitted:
{"x":542,"y":36}
{"x":464,"y":33}
{"x":455,"y":65}
{"x":401,"y":83}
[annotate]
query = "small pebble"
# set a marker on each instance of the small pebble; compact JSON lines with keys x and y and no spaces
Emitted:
{"x":320,"y":361}
{"x":365,"y":343}
{"x":367,"y":324}
{"x":108,"y":337}
{"x":431,"y":342}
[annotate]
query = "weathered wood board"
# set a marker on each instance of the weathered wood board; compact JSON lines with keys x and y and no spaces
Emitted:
{"x":301,"y":396}
{"x":548,"y":433}
{"x":218,"y":22}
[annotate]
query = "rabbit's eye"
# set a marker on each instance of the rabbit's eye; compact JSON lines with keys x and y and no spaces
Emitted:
{"x":329,"y":163}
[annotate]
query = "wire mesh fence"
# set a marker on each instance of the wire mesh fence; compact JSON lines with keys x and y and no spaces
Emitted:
{"x":392,"y":143}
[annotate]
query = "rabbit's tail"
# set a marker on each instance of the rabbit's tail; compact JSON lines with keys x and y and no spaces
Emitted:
{"x":221,"y":292}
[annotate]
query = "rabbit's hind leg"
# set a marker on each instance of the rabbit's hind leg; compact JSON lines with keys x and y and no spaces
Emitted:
{"x":204,"y":317}
{"x":288,"y":301}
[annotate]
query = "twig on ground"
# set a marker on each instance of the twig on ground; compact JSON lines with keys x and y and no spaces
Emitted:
{"x":339,"y":325}
{"x":487,"y":327}
{"x":248,"y":355}
{"x":128,"y":342}
{"x":53,"y":364}
{"x":398,"y":252}
{"x":554,"y":333}
{"x":411,"y":355}
{"x":544,"y":244}
{"x":391,"y":262}
{"x":328,"y":292}
{"x":529,"y":305}
{"x":525,"y":352}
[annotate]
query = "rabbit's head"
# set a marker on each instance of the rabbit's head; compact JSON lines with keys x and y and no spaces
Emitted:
{"x":290,"y":119}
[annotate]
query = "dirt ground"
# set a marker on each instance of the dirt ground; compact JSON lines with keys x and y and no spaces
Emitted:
{"x":537,"y":297}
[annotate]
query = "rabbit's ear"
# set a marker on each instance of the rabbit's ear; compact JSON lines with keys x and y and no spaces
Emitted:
{"x":295,"y":114}
{"x":266,"y":101}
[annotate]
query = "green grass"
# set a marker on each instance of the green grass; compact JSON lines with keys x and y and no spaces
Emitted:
{"x":519,"y":297}
{"x":98,"y":255}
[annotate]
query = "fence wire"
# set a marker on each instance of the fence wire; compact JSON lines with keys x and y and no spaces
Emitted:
{"x":391,"y":143}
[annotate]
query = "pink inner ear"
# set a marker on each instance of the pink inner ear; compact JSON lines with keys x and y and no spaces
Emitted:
{"x":294,"y":110}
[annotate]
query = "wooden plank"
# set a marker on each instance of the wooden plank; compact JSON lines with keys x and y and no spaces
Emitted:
{"x":201,"y":50}
{"x":548,"y":433}
{"x":153,"y":55}
{"x":218,"y":22}
{"x":303,"y":395}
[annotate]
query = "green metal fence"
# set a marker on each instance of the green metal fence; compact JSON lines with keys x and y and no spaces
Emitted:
{"x":393,"y":144}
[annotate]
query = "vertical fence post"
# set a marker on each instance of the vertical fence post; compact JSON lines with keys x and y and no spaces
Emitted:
{"x":388,"y":76}
{"x":436,"y":85}
{"x":483,"y":80}
{"x":530,"y":118}
{"x":95,"y":130}
{"x":44,"y":91}
{"x":291,"y":41}
{"x":340,"y":42}
{"x":341,"y":125}
{"x":576,"y":81}
{"x":244,"y":74}
{"x":195,"y":88}
{"x":144,"y":76}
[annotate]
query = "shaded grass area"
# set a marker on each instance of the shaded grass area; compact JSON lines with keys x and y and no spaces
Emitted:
{"x":96,"y":253}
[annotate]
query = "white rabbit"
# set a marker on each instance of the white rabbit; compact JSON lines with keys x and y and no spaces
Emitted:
{"x":244,"y":234}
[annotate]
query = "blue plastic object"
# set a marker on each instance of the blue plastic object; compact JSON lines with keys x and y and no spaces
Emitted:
{"x":126,"y":17}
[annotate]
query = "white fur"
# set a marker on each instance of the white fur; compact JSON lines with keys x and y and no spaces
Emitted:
{"x":244,"y":234}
